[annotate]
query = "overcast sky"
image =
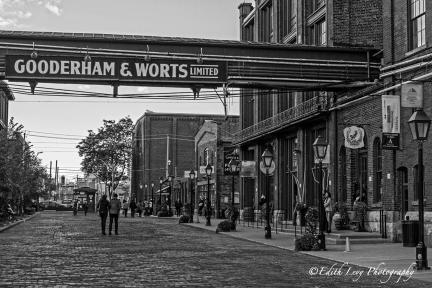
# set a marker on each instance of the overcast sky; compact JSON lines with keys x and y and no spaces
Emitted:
{"x":49,"y":120}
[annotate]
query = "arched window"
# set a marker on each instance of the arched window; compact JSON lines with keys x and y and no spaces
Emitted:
{"x":377,"y":166}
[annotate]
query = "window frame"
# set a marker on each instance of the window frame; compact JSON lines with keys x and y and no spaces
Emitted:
{"x":414,"y":17}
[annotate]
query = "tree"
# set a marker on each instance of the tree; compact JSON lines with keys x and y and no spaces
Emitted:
{"x":21,"y":172}
{"x":107,"y":153}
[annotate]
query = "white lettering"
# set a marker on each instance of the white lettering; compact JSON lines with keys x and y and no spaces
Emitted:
{"x":97,"y":69}
{"x":174,"y":70}
{"x":64,"y":67}
{"x":154,"y":70}
{"x":141,"y":69}
{"x":31,"y":66}
{"x":164,"y":70}
{"x":183,"y":71}
{"x":86,"y":67}
{"x":54,"y":67}
{"x":75,"y":65}
{"x":124,"y":70}
{"x":109,"y":68}
{"x":19,"y":66}
{"x":43,"y":67}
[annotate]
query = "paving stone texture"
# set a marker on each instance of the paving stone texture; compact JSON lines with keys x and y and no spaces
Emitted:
{"x":57,"y":249}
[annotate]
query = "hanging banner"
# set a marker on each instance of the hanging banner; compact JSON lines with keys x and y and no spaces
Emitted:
{"x":248,"y":169}
{"x":390,"y":141}
{"x":391,"y":113}
{"x":412,"y":95}
{"x":354,"y":137}
{"x":228,"y":155}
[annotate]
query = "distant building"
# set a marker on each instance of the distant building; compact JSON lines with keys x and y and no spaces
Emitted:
{"x":6,"y":95}
{"x":161,"y":139}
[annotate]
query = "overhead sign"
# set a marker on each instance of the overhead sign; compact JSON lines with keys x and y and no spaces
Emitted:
{"x":248,"y":169}
{"x":75,"y":68}
{"x":412,"y":95}
{"x":353,"y":137}
{"x":228,"y":156}
{"x":390,"y":141}
{"x":391,"y":113}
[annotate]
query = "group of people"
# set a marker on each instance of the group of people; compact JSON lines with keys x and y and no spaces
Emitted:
{"x":142,"y":207}
{"x":112,"y":208}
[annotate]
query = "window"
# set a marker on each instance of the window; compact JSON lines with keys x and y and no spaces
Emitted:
{"x":288,"y":17}
{"x":265,"y":105}
{"x":377,"y":153}
{"x":318,"y":33}
{"x":417,"y":33}
{"x":286,"y":100}
{"x":266,"y":20}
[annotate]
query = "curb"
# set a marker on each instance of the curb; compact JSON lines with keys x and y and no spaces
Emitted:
{"x":18,"y":222}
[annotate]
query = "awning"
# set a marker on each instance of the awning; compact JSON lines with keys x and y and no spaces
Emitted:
{"x":86,"y":190}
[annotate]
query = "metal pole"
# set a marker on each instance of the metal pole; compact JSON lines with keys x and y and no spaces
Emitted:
{"x":169,"y":199}
{"x":208,"y":202}
{"x":267,"y":228}
{"x":191,"y":203}
{"x":421,"y":250}
{"x":160,"y":195}
{"x":152,"y":201}
{"x":232,"y":195}
{"x":321,"y":236}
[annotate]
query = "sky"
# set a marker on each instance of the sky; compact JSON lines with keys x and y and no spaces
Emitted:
{"x":55,"y":125}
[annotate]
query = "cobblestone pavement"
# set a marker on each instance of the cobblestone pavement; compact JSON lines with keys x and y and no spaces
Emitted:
{"x":58,"y":249}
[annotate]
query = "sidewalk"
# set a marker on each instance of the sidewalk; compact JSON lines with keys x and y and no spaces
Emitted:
{"x":387,"y":255}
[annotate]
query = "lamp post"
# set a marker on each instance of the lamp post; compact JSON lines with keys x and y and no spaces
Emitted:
{"x":141,"y":188}
{"x":152,"y":198}
{"x":192,"y":198}
{"x":146,"y":192}
{"x":233,"y":164}
{"x":170,"y":178}
{"x":320,"y":150}
{"x":267,"y":159}
{"x":208,"y":170}
{"x":160,"y":192}
{"x":419,"y":124}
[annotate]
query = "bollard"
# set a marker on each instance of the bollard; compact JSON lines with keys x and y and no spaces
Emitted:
{"x":347,"y":245}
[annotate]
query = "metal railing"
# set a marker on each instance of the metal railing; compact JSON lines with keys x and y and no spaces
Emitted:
{"x":278,"y":221}
{"x":302,"y":110}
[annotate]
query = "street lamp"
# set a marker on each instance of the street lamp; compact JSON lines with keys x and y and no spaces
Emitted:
{"x":145,"y":192}
{"x":267,"y":159}
{"x":192,"y":177}
{"x":419,"y":124}
{"x":208,"y":171}
{"x":160,"y":192}
{"x":233,"y":164}
{"x":170,"y":178}
{"x":320,"y":150}
{"x":152,"y":199}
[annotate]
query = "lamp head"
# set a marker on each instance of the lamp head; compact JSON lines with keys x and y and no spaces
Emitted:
{"x":267,"y":158}
{"x":208,"y":170}
{"x":192,"y":174}
{"x":320,"y":148}
{"x":419,"y":124}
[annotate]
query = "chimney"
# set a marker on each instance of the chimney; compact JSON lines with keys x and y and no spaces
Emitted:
{"x":244,"y":10}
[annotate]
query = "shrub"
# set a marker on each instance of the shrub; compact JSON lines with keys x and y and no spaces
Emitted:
{"x":309,"y":241}
{"x":225,"y":226}
{"x":184,"y":219}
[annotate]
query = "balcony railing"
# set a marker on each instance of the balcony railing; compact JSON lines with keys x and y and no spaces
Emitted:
{"x":303,"y":110}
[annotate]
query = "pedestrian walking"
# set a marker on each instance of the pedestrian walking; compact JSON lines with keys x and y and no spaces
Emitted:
{"x":133,"y":207}
{"x":85,"y":208}
{"x":114,"y":212}
{"x":103,"y":208}
{"x":140,"y":207}
{"x":178,"y":206}
{"x":125,"y":208}
{"x":200,"y":206}
{"x":75,"y":208}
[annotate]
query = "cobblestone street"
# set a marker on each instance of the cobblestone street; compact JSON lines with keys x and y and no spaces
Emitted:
{"x":57,"y":249}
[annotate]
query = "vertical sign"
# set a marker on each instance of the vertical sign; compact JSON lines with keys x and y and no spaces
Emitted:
{"x":391,"y":121}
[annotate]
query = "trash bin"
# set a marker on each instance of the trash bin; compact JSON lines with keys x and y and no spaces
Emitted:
{"x":410,"y":233}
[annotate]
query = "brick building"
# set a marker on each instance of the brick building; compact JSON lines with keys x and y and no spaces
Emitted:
{"x":213,"y":144}
{"x":161,"y":139}
{"x":289,"y":121}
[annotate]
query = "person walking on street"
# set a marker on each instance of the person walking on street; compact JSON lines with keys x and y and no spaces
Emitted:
{"x":178,"y":206}
{"x":85,"y":208}
{"x":133,"y":207}
{"x":114,"y":212}
{"x":125,"y":208}
{"x":103,"y":208}
{"x":140,"y":208}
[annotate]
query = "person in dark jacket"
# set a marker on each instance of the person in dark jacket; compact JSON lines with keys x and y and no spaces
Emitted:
{"x":133,"y":207}
{"x":103,"y":207}
{"x":114,"y":212}
{"x":85,"y":208}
